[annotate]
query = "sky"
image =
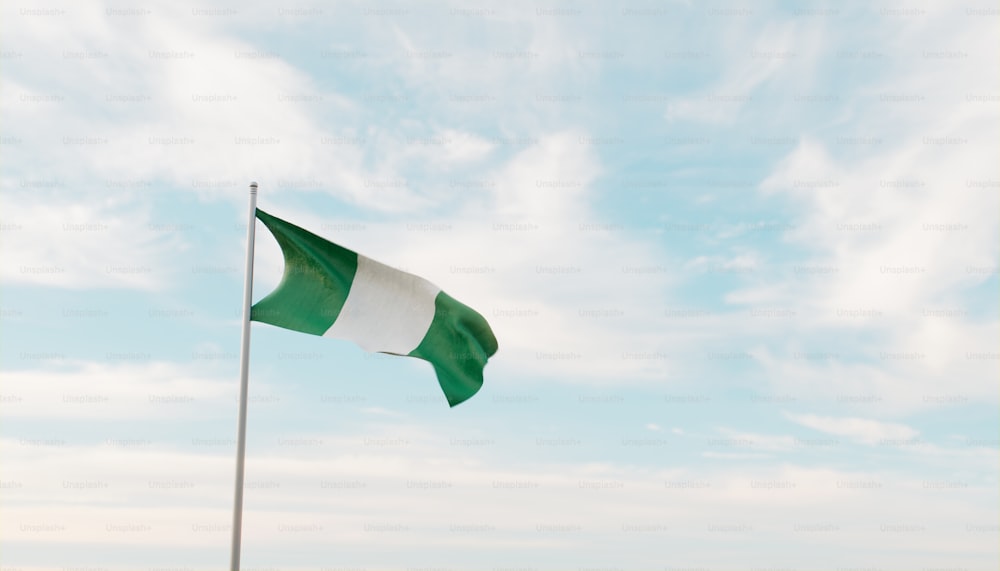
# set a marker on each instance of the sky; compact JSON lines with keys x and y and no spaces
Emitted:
{"x":740,"y":258}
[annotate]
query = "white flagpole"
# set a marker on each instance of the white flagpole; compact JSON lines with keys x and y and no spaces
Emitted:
{"x":241,"y":430}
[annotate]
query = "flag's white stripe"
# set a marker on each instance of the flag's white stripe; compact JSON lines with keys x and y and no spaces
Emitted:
{"x":386,"y":309}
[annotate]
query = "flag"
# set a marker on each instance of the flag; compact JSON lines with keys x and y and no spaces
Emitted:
{"x":329,"y":290}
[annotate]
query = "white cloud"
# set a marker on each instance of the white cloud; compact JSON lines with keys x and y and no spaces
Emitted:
{"x":891,"y":249}
{"x":573,"y":296}
{"x":84,"y":244}
{"x":208,"y":107}
{"x":938,"y":363}
{"x":114,"y":391}
{"x":865,"y":431}
{"x":896,"y":218}
{"x":564,"y":291}
{"x":751,"y":59}
{"x":442,"y":496}
{"x":759,"y":442}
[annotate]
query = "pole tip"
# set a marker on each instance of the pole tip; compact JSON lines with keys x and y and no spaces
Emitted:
{"x":253,"y":184}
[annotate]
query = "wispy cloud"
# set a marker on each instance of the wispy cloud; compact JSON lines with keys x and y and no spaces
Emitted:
{"x":81,"y":244}
{"x":112,"y":392}
{"x":862,"y":430}
{"x":772,"y":227}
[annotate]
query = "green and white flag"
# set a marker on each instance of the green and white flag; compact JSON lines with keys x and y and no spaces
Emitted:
{"x":331,"y":291}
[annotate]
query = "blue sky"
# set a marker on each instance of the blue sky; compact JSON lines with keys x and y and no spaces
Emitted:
{"x":741,"y":260}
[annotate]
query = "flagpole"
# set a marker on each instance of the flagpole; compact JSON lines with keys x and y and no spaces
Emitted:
{"x":241,"y":430}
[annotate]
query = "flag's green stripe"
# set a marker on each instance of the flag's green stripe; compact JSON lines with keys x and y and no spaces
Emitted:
{"x":457,"y":343}
{"x":317,"y":279}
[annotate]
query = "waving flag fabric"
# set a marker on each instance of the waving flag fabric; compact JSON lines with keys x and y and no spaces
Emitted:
{"x":331,"y":291}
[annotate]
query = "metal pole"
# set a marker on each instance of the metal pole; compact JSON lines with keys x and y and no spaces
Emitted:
{"x":241,"y":430}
